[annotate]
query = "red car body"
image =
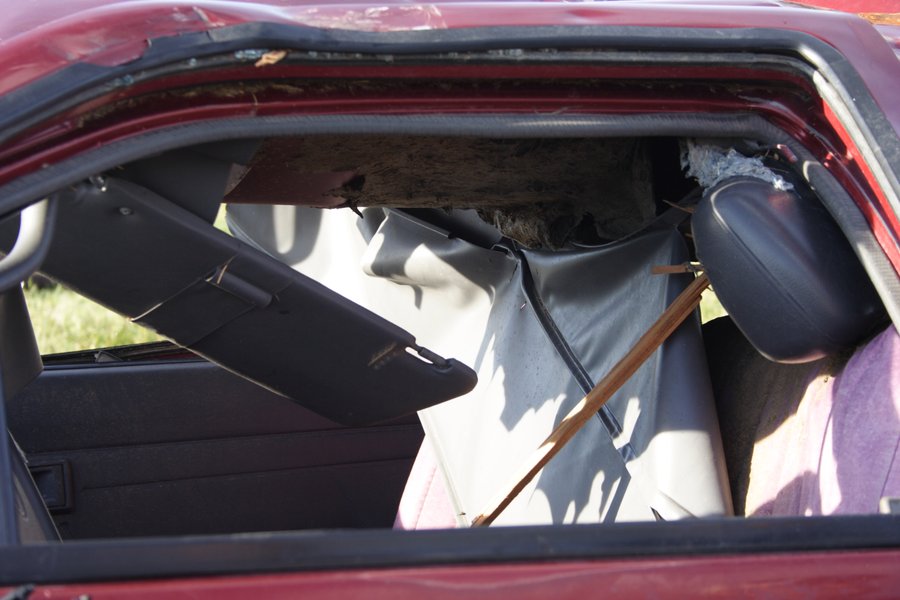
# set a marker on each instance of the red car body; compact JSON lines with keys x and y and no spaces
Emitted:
{"x":79,"y":75}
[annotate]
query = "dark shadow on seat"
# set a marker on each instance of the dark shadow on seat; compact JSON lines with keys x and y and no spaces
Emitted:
{"x":743,"y":382}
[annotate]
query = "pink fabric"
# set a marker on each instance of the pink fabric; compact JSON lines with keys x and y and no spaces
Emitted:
{"x":838,"y":452}
{"x":425,"y":503}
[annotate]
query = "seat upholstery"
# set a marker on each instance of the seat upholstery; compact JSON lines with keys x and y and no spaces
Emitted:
{"x":800,"y":439}
{"x":812,"y":439}
{"x":425,"y":503}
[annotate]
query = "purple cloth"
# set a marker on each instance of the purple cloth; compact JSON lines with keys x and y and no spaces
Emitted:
{"x":837,"y":451}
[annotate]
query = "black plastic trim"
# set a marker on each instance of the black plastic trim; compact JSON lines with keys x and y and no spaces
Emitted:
{"x":328,"y":550}
{"x":241,"y":308}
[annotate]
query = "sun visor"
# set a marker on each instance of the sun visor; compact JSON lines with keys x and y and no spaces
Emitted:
{"x":166,"y":268}
{"x":783,"y":270}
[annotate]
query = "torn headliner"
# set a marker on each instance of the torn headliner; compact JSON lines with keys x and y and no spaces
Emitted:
{"x":540,"y":192}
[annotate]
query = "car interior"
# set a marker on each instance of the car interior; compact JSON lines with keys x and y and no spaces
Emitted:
{"x":442,"y":297}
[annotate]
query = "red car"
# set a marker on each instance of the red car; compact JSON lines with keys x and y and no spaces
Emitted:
{"x":457,"y":296}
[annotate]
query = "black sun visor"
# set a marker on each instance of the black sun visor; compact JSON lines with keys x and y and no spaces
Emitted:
{"x":165,"y":267}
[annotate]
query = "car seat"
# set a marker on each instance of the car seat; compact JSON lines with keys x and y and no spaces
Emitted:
{"x":805,"y":375}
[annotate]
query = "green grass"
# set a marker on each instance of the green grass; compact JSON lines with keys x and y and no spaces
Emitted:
{"x":64,"y":321}
{"x":710,"y":308}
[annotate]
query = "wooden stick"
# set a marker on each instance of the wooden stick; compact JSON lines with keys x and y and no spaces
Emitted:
{"x":687,"y":267}
{"x":667,"y":323}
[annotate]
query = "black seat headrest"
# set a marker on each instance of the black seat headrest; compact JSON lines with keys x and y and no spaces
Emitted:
{"x":783,"y":270}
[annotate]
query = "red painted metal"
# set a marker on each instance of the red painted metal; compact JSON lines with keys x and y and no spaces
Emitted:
{"x":800,"y":575}
{"x":33,"y":45}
